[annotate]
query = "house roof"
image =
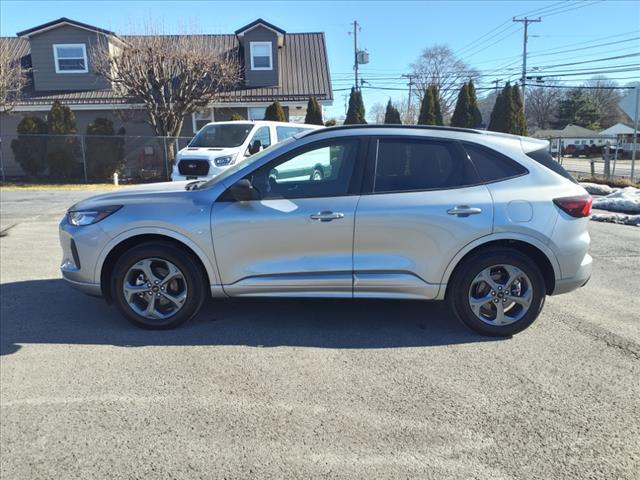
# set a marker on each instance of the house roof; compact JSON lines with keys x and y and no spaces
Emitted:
{"x":257,"y":22}
{"x":304,"y":72}
{"x":570,"y":131}
{"x":61,"y":21}
{"x":618,"y":129}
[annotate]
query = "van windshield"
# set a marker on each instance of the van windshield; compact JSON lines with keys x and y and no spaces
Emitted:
{"x":223,"y":135}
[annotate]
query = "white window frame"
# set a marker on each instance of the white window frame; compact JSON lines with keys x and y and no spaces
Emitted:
{"x":212,"y":118}
{"x":73,"y":45}
{"x":262,"y":44}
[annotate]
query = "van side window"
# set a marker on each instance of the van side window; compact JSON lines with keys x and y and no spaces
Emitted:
{"x":285,"y":132}
{"x":409,"y":165}
{"x":263,"y":135}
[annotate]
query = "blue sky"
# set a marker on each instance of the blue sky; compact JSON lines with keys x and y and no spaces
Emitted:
{"x":394,"y":32}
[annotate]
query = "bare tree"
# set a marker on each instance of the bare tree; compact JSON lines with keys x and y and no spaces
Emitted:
{"x":438,"y":65}
{"x":542,"y":105}
{"x":408,"y":110}
{"x":605,"y":99}
{"x":172,"y":75}
{"x":376,"y":113}
{"x":13,"y":77}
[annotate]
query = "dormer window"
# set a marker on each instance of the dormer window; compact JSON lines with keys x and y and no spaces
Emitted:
{"x":261,"y":56}
{"x":70,"y":58}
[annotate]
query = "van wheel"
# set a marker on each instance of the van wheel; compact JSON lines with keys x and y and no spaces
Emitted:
{"x":157,"y":285}
{"x":497,"y":292}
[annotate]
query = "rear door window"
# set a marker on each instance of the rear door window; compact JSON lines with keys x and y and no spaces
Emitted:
{"x":416,"y":164}
{"x":283,"y":132}
{"x":543,"y":157}
{"x":491,"y":165}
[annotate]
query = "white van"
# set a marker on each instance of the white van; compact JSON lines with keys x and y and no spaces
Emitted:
{"x":218,"y":145}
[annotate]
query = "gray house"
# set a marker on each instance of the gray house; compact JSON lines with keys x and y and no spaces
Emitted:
{"x":288,"y":67}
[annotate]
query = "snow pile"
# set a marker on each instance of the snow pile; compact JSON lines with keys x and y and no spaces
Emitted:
{"x":617,"y":218}
{"x":598,"y":189}
{"x":625,"y":200}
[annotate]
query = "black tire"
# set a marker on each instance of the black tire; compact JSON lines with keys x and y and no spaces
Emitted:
{"x":183,"y":260}
{"x":460,"y":284}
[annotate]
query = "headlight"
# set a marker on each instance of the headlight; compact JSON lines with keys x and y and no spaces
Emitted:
{"x":226,"y":160}
{"x":88,"y":217}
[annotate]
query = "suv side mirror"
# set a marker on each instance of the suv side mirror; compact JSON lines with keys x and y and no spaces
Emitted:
{"x":243,"y":190}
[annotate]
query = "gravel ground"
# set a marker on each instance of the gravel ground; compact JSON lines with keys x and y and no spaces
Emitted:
{"x":310,"y":388}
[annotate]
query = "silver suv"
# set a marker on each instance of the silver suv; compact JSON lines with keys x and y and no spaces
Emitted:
{"x":489,"y":222}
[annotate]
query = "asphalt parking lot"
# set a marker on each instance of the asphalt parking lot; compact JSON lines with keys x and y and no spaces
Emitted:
{"x":311,"y":388}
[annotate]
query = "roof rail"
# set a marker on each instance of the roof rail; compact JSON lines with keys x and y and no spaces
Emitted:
{"x":380,"y":125}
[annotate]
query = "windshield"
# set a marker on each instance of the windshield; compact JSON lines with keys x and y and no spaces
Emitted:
{"x":245,"y":162}
{"x":222,"y":135}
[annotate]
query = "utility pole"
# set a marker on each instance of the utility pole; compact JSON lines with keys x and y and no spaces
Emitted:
{"x":526,"y":21}
{"x":356,"y":27}
{"x":410,"y":77}
{"x":496,"y":82}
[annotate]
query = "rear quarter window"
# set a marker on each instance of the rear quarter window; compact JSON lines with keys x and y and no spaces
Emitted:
{"x":543,"y":157}
{"x":492,"y":166}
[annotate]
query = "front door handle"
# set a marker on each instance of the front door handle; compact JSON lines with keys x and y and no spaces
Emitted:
{"x":464,"y":211}
{"x":326,"y":216}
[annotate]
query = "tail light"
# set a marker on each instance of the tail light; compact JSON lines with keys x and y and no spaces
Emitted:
{"x":577,"y":207}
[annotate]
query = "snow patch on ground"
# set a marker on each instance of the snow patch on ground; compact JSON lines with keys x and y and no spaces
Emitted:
{"x":626,"y":200}
{"x":617,"y":218}
{"x":598,"y":189}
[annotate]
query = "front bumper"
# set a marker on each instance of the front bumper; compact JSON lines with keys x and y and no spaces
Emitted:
{"x":580,"y":279}
{"x":81,"y":247}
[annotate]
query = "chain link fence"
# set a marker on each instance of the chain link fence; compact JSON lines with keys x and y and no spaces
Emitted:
{"x":609,"y":159}
{"x":87,"y":158}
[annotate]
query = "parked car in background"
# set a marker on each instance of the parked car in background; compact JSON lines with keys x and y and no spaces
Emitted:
{"x":489,"y":222}
{"x":218,"y":145}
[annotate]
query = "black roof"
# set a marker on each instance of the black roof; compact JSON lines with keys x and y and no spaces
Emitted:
{"x":64,"y":20}
{"x":259,"y":21}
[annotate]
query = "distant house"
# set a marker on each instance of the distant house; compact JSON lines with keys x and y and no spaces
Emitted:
{"x":623,"y":135}
{"x":277,"y":65}
{"x":571,"y":135}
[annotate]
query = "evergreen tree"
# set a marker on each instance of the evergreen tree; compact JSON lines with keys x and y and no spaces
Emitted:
{"x":30,"y":147}
{"x":104,"y":149}
{"x":462,"y":113}
{"x":275,"y":113}
{"x":430,"y":113}
{"x":355,"y":113}
{"x":577,"y":108}
{"x":392,"y":115}
{"x":502,"y":114}
{"x":518,"y":121}
{"x":62,"y":144}
{"x":473,"y":107}
{"x":314,"y":112}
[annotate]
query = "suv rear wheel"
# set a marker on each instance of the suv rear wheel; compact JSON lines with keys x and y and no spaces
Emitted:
{"x":157,"y":285}
{"x":497,"y":292}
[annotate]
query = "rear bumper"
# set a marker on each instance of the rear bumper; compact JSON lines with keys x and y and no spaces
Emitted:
{"x":581,"y":277}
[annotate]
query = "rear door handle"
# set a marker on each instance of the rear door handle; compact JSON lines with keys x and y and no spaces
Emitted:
{"x":326,"y":216}
{"x":464,"y":211}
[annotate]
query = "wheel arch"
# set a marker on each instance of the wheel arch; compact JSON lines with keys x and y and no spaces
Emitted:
{"x":533,"y":248}
{"x":130,"y":239}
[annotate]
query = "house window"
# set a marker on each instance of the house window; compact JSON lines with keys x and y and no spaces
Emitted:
{"x":256,"y":113}
{"x":261,"y":58}
{"x":70,"y":58}
{"x":201,"y":118}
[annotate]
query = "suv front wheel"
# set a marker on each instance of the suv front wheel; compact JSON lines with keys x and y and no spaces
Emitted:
{"x":157,"y":285}
{"x":497,"y":292}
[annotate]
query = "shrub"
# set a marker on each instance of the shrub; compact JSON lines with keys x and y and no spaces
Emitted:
{"x":314,"y":112}
{"x":275,"y":113}
{"x":62,"y":146}
{"x":330,"y":123}
{"x":236,"y":117}
{"x":104,"y":149}
{"x":30,"y":147}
